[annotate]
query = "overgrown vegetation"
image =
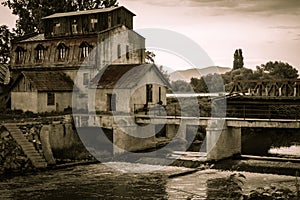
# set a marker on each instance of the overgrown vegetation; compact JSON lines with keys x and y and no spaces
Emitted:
{"x":7,"y":114}
{"x":216,"y":82}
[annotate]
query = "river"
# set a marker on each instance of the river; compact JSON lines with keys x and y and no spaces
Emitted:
{"x":102,"y":181}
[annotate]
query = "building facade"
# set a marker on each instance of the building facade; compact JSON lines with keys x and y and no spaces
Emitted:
{"x":86,"y":40}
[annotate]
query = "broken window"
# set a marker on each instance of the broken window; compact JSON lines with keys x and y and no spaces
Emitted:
{"x":74,"y":27}
{"x":85,"y":49}
{"x":39,"y":50}
{"x":57,"y":28}
{"x":62,"y":51}
{"x":20,"y":52}
{"x":109,"y":21}
{"x":94,"y":22}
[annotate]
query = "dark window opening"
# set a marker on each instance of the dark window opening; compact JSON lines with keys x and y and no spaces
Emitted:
{"x":62,"y":51}
{"x":111,"y":100}
{"x":85,"y":49}
{"x":50,"y":99}
{"x":20,"y":52}
{"x":40,"y":53}
{"x":74,"y":27}
{"x":61,"y":54}
{"x":159,"y":95}
{"x":109,"y":21}
{"x":94,"y":22}
{"x":127,"y":51}
{"x":86,"y":79}
{"x":119,"y":51}
{"x":57,"y":28}
{"x":119,"y":20}
{"x":149,"y":93}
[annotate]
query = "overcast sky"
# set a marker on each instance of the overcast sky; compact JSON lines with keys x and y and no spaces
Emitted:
{"x":264,"y":29}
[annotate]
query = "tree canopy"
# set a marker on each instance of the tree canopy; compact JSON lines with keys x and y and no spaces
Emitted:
{"x":181,"y":86}
{"x":30,"y":12}
{"x":5,"y":38}
{"x":277,"y":70}
{"x":238,"y":61}
{"x":271,"y":70}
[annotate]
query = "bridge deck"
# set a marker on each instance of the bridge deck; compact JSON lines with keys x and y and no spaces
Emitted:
{"x":230,"y":122}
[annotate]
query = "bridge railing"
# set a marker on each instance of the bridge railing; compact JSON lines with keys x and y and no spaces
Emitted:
{"x":269,"y":88}
{"x":265,"y":112}
{"x":237,"y":111}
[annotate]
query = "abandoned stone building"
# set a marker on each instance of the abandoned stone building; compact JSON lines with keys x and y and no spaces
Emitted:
{"x":75,"y":47}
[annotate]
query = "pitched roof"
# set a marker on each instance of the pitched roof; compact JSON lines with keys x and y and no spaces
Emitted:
{"x":39,"y":37}
{"x":46,"y":81}
{"x":85,"y":12}
{"x":124,"y":76}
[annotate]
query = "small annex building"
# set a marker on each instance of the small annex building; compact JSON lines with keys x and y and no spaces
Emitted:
{"x":127,"y":88}
{"x":42,"y":91}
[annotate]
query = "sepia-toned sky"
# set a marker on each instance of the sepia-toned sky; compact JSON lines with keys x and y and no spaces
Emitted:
{"x":264,"y":29}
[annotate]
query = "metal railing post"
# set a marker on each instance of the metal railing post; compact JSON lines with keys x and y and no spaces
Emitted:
{"x":244,"y":111}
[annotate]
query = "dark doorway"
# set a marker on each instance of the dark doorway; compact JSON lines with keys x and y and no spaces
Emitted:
{"x":111,"y":102}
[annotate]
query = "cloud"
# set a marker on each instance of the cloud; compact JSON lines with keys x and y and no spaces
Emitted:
{"x":266,"y":7}
{"x":286,"y":27}
{"x":272,"y":7}
{"x":297,"y":37}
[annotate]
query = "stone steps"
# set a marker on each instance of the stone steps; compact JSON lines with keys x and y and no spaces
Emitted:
{"x":37,"y":160}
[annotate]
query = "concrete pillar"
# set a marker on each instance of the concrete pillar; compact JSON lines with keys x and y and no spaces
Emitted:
{"x":222,"y":141}
{"x":46,"y":147}
{"x":133,"y":138}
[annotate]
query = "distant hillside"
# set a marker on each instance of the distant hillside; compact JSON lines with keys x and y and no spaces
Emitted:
{"x":186,"y":75}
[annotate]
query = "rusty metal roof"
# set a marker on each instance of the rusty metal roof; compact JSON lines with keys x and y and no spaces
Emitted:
{"x":85,"y":12}
{"x":47,"y":81}
{"x":124,"y":76}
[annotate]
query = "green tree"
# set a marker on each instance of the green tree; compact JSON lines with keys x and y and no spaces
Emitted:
{"x":181,"y":86}
{"x":164,"y":72}
{"x":5,"y":38}
{"x":238,"y":61}
{"x":30,"y":12}
{"x":276,"y":70}
{"x":150,"y":56}
{"x":214,"y":82}
{"x":199,"y":85}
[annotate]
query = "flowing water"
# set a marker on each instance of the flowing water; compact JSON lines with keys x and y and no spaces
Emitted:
{"x":99,"y":181}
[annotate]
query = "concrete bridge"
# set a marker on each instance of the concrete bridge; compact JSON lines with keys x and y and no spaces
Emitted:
{"x":223,"y":135}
